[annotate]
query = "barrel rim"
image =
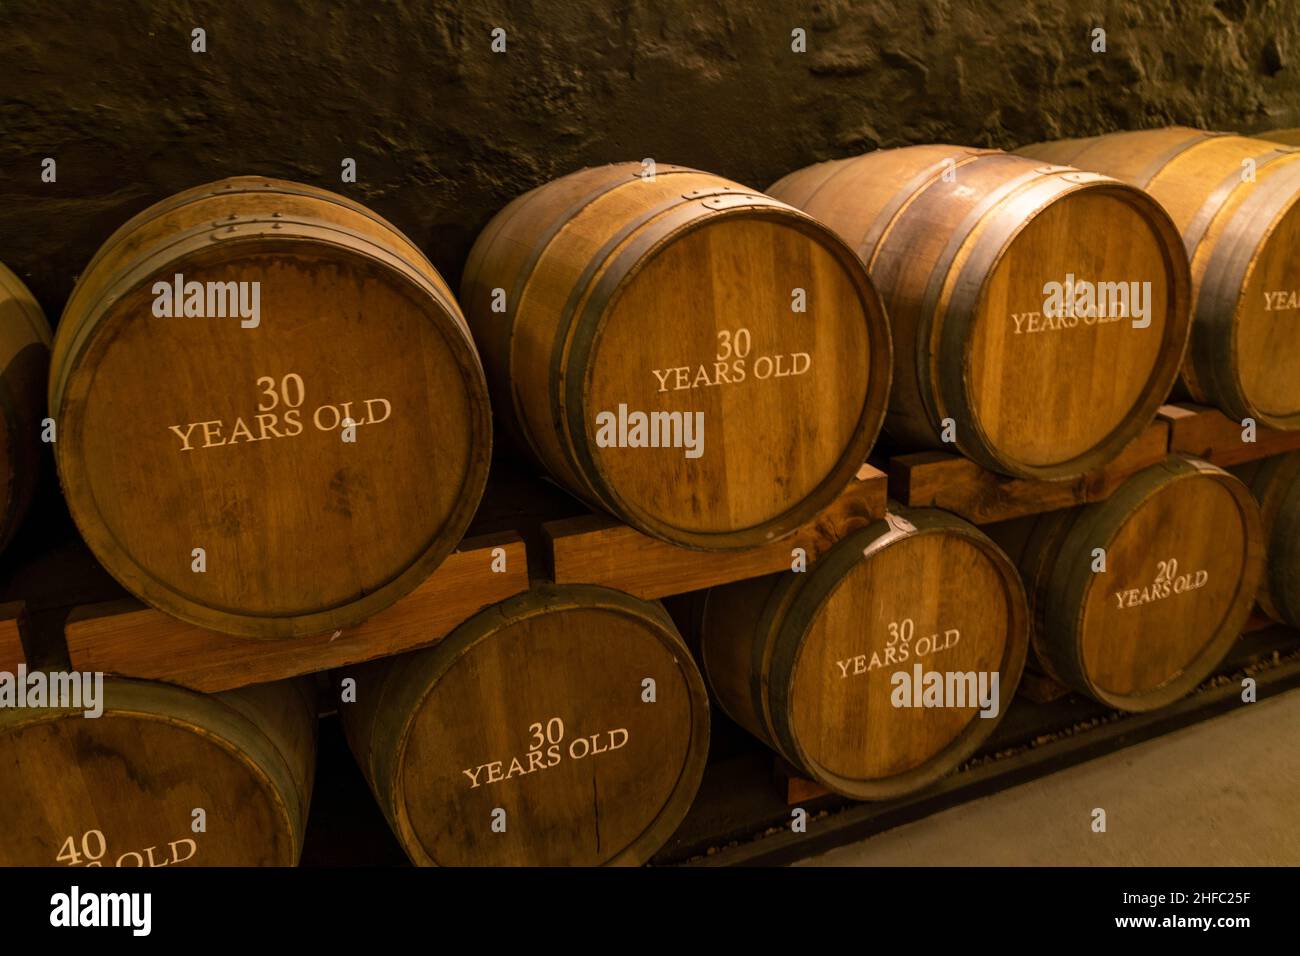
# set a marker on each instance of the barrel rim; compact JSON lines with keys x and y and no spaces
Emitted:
{"x":590,"y":324}
{"x":72,"y":336}
{"x":232,"y":185}
{"x":421,"y":672}
{"x":68,"y":391}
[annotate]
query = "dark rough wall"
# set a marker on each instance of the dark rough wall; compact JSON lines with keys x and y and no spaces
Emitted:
{"x":445,"y":132}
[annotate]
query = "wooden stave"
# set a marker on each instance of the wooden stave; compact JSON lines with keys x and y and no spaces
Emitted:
{"x":1141,"y":157}
{"x":127,"y":261}
{"x":563,"y":447}
{"x":269,"y":728}
{"x":393,"y":689}
{"x":24,"y":368}
{"x":778,"y":607}
{"x":1066,"y":539}
{"x":148,"y":231}
{"x":907,"y":420}
{"x":1275,"y":483}
{"x":913,"y":410}
{"x":1030,"y":543}
{"x":124,"y":244}
{"x":1287,"y":136}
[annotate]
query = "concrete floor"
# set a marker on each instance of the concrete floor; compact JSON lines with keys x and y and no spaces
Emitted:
{"x":1220,"y":793}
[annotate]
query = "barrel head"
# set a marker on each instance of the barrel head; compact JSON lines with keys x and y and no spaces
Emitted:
{"x":1059,"y":357}
{"x":754,"y":329}
{"x":272,"y":424}
{"x":1183,"y":551}
{"x":849,"y":701}
{"x":163,"y":777}
{"x":587,"y":744}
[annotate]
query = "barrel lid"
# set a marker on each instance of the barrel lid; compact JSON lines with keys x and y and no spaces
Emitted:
{"x":922,"y":592}
{"x":1183,"y":558}
{"x":1077,"y":300}
{"x":588,"y":743}
{"x":728,"y":371}
{"x":123,"y":789}
{"x":207,"y":459}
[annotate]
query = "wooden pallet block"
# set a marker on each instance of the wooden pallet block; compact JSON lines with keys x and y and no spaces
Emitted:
{"x":11,"y":642}
{"x":596,"y":549}
{"x":1212,"y":436}
{"x":1258,"y":621}
{"x":128,"y":639}
{"x":941,"y":480}
{"x":1040,"y":688}
{"x":793,"y":786}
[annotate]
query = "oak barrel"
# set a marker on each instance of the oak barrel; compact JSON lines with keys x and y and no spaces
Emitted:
{"x":1234,"y":200}
{"x":810,"y":662}
{"x":693,"y":301}
{"x":1288,"y":137}
{"x":324,"y":453}
{"x":1012,"y":289}
{"x":1182,"y":547}
{"x":126,"y":788}
{"x":1275,"y":483}
{"x":24,"y":367}
{"x":573,"y":718}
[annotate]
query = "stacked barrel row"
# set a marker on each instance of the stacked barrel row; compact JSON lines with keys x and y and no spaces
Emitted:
{"x":707,"y":362}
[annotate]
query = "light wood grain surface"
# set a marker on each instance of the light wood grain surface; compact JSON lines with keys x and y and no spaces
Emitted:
{"x":183,"y":433}
{"x":962,"y":244}
{"x":685,"y":294}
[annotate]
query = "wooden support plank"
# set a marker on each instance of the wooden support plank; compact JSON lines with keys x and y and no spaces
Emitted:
{"x":1040,"y":688}
{"x":1208,"y":434}
{"x":145,"y":643}
{"x":595,"y":549}
{"x":11,"y":642}
{"x":940,"y":480}
{"x":795,"y":789}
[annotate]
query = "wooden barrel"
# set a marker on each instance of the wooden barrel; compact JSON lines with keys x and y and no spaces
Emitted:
{"x":615,"y":311}
{"x":24,"y":367}
{"x":987,"y":263}
{"x":232,"y":435}
{"x":1275,"y":483}
{"x":811,"y":662}
{"x":1287,"y":137}
{"x":564,"y":726}
{"x":1234,"y":200}
{"x":163,"y":777}
{"x":1183,"y":551}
